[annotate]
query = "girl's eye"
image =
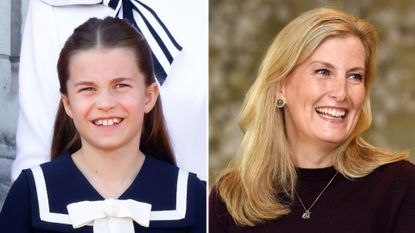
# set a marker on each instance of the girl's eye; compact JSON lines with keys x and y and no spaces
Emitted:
{"x":86,"y":89}
{"x":121,"y":85}
{"x":324,"y":72}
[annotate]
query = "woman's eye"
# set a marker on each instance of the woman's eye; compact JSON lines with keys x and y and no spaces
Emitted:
{"x":323,"y":72}
{"x":356,"y":77}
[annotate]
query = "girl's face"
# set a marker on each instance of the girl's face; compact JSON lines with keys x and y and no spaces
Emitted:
{"x":107,"y":97}
{"x":325,"y":93}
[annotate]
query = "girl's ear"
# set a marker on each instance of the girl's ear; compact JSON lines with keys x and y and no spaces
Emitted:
{"x":151,"y":95}
{"x":66,"y":105}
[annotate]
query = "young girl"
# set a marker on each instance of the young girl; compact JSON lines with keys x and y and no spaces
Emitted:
{"x":113,"y":167}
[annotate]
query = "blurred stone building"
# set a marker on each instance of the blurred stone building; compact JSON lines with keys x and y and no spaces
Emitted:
{"x":240,"y":32}
{"x":12,"y":14}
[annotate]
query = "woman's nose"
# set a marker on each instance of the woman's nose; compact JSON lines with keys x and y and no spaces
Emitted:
{"x":338,"y":89}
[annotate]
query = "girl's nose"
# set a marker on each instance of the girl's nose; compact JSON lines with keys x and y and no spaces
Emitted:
{"x":106,"y":101}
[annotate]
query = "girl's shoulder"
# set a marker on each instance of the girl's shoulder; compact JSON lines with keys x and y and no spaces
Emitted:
{"x":162,"y":171}
{"x":177,"y":196}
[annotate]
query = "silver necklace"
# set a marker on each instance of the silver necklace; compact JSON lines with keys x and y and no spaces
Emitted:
{"x":307,"y":213}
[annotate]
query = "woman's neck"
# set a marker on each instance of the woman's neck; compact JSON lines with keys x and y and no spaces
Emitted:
{"x":312,"y":156}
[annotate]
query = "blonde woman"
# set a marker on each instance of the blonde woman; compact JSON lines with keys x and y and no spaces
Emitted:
{"x":302,"y":165}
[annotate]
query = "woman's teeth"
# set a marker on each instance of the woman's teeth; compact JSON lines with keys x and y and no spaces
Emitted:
{"x":332,"y":112}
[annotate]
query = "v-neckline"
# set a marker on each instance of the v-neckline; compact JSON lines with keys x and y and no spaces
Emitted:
{"x":95,"y":191}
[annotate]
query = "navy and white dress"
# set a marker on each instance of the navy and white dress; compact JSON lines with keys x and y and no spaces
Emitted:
{"x":38,"y":199}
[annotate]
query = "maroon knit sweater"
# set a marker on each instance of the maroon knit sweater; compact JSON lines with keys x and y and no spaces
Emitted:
{"x":383,"y":201}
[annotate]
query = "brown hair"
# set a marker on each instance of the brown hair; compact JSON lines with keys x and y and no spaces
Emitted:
{"x":110,"y":33}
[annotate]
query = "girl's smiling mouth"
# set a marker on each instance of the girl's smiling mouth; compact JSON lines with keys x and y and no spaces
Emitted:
{"x":108,"y":121}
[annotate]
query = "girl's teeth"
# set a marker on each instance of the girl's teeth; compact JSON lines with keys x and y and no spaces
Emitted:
{"x":108,"y":122}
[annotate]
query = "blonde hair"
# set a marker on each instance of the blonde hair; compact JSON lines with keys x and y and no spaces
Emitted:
{"x":259,"y":179}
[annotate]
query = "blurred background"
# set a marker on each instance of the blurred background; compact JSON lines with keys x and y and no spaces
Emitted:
{"x":12,"y":14}
{"x":240,"y":31}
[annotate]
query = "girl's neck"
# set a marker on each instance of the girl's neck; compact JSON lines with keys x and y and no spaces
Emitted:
{"x":109,"y":172}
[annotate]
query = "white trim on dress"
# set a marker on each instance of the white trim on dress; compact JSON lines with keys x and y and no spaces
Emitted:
{"x":157,"y":215}
{"x":43,"y":200}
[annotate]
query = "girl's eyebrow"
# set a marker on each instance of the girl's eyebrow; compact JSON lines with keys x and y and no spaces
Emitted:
{"x":84,"y":83}
{"x":90,"y":83}
{"x":116,"y":80}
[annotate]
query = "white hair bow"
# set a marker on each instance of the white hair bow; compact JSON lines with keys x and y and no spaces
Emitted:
{"x":110,"y":215}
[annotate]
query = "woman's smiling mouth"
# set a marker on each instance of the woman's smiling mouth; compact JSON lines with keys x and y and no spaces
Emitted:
{"x":332,"y":113}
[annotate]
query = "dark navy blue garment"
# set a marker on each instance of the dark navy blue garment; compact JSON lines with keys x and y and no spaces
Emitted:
{"x":28,"y":209}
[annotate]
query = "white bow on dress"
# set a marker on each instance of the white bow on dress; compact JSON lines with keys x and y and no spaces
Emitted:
{"x":110,"y":215}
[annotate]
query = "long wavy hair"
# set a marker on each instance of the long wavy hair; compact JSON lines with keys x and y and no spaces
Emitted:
{"x":261,"y":177}
{"x":110,"y":33}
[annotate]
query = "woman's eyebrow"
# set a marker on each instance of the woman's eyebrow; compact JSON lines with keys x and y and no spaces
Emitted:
{"x":326,"y":64}
{"x":329,"y":65}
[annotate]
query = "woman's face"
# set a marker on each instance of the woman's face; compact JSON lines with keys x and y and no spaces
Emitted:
{"x":107,"y":97}
{"x":325,"y":93}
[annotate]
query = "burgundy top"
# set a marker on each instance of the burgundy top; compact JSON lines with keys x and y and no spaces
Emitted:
{"x":383,"y":201}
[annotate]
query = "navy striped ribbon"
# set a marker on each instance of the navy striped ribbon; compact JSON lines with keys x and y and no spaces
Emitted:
{"x":162,"y":43}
